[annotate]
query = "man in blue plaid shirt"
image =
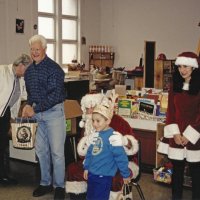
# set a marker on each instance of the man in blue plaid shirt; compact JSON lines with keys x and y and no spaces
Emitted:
{"x":45,"y":88}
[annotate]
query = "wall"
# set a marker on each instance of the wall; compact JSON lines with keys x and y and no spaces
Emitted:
{"x":90,"y":26}
{"x":127,"y":24}
{"x":12,"y":43}
{"x":124,"y":24}
{"x":3,"y":47}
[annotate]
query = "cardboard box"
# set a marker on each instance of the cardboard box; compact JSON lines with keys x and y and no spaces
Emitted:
{"x":120,"y":90}
{"x":72,"y":110}
{"x":68,"y":125}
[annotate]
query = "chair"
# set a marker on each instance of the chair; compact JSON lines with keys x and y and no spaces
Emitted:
{"x":135,"y":181}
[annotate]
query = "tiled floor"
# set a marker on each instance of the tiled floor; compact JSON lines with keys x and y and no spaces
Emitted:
{"x":28,"y":177}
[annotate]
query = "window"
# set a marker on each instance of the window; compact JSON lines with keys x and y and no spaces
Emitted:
{"x":58,"y":23}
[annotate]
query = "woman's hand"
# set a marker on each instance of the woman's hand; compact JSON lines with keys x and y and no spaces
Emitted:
{"x":178,"y":139}
{"x":184,"y":140}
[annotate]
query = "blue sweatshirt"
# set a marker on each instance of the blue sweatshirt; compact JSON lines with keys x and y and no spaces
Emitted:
{"x":104,"y":159}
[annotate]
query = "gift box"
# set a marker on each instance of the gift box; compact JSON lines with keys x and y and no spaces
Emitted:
{"x":72,"y":110}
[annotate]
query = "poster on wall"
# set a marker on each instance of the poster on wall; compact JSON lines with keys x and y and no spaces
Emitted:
{"x":19,"y":26}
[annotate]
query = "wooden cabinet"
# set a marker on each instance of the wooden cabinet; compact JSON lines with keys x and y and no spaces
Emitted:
{"x":138,"y":83}
{"x":148,"y":147}
{"x":163,"y":73}
{"x":198,"y":49}
{"x":101,"y":59}
{"x":149,"y":142}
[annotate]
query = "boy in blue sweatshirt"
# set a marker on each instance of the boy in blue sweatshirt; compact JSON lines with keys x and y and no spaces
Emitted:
{"x":102,"y":159}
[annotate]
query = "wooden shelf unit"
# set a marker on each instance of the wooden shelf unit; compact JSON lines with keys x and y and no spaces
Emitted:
{"x":101,"y":59}
{"x":148,"y":146}
{"x":163,"y":70}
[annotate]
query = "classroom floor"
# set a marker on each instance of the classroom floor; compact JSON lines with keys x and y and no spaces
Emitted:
{"x":28,"y":175}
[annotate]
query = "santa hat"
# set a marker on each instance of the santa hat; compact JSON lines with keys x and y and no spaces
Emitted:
{"x":188,"y":59}
{"x":89,"y":101}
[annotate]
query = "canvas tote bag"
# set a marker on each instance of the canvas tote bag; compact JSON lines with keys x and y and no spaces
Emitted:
{"x":126,"y":193}
{"x":23,"y":133}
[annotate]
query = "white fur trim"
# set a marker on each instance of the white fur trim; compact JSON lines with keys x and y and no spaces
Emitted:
{"x":134,"y":145}
{"x":192,"y":62}
{"x":193,"y":155}
{"x":88,"y":125}
{"x":82,"y":146}
{"x":191,"y":134}
{"x":170,"y":130}
{"x":81,"y":124}
{"x":185,"y":86}
{"x":114,"y":195}
{"x":180,"y":154}
{"x":75,"y":187}
{"x":176,"y":153}
{"x":163,"y":148}
{"x":134,"y":168}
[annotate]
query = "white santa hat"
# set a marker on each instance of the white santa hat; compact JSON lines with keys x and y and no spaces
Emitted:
{"x":188,"y":59}
{"x":89,"y":101}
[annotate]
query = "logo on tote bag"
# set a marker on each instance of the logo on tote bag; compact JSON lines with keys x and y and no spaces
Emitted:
{"x":24,"y":134}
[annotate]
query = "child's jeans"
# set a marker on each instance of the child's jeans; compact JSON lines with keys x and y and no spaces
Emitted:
{"x":98,"y":187}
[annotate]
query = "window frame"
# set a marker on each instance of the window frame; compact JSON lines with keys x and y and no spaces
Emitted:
{"x":58,"y":41}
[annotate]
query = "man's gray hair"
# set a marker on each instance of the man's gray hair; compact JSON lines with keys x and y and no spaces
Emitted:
{"x":23,"y":59}
{"x":38,"y":38}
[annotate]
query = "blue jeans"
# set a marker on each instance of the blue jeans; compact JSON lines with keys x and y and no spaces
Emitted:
{"x":49,"y":145}
{"x":98,"y":187}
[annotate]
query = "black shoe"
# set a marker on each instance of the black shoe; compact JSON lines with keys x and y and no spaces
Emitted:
{"x":8,"y":181}
{"x":42,"y":190}
{"x":59,"y":193}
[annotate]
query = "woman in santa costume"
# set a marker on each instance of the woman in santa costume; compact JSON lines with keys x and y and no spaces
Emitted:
{"x":181,"y":140}
{"x":123,"y":136}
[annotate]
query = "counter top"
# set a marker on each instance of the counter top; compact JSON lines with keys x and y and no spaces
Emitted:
{"x":142,"y":124}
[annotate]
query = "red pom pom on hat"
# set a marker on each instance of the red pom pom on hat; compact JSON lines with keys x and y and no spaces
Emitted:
{"x":187,"y":59}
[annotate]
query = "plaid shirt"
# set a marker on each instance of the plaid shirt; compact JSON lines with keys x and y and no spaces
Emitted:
{"x":44,"y":85}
